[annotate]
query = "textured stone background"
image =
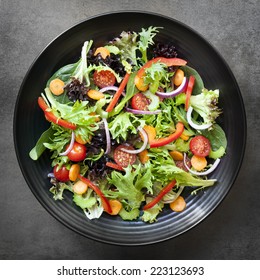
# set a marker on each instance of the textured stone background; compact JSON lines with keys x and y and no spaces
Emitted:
{"x":27,"y":231}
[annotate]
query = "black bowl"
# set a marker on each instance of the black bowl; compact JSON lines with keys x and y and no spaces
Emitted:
{"x":29,"y":123}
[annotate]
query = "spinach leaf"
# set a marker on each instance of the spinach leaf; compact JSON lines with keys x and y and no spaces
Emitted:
{"x":199,"y":85}
{"x":64,"y":73}
{"x":39,"y":148}
{"x":216,"y":136}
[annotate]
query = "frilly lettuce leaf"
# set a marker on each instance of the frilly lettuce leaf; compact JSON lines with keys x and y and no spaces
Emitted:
{"x":123,"y":124}
{"x":128,"y":186}
{"x":58,"y":188}
{"x":151,"y":214}
{"x":86,"y":200}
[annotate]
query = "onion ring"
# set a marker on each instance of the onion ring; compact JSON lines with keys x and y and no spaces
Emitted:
{"x":114,"y":88}
{"x":142,"y":112}
{"x":203,"y":173}
{"x":108,"y":138}
{"x":145,"y":137}
{"x":194,"y":125}
{"x":175,"y":92}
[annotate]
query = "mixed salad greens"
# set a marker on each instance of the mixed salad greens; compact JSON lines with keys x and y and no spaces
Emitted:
{"x":131,"y":126}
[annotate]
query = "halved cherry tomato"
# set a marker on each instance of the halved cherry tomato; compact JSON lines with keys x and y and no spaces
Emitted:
{"x":140,"y":102}
{"x":61,"y":174}
{"x":122,"y":158}
{"x":200,"y":146}
{"x":78,"y":152}
{"x":104,"y":78}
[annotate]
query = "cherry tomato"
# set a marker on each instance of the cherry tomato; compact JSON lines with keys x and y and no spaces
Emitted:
{"x":78,"y":152}
{"x":122,"y":158}
{"x":140,"y":102}
{"x":104,"y":78}
{"x":200,"y":146}
{"x":61,"y":174}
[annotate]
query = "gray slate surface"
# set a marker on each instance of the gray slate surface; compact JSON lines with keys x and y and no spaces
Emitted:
{"x":27,"y":231}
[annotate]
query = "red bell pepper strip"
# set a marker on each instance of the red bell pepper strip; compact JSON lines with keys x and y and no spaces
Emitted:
{"x":116,"y":96}
{"x":189,"y":91}
{"x":164,"y":141}
{"x":161,"y":194}
{"x":96,"y":189}
{"x":114,"y":166}
{"x":168,"y":61}
{"x":52,"y":118}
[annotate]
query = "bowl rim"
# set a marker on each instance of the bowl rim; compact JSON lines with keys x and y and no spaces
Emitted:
{"x":239,"y":95}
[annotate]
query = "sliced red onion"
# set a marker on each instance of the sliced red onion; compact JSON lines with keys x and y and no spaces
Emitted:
{"x":72,"y":140}
{"x":175,"y":92}
{"x":175,"y":196}
{"x":145,"y":137}
{"x":142,"y":112}
{"x":104,"y":89}
{"x":203,"y":173}
{"x":194,"y":125}
{"x":50,"y":175}
{"x":108,"y":138}
{"x":114,"y":88}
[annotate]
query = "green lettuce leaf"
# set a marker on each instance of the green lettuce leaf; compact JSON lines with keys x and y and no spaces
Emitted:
{"x":86,"y":200}
{"x":127,"y":45}
{"x":81,"y":72}
{"x":151,"y":214}
{"x":145,"y":40}
{"x":164,"y":170}
{"x":128,"y":186}
{"x":154,"y":74}
{"x":123,"y":125}
{"x":39,"y":148}
{"x":61,"y":137}
{"x":80,"y":113}
{"x":182,"y":177}
{"x":129,"y":215}
{"x":216,"y":136}
{"x":64,"y":73}
{"x":58,"y":188}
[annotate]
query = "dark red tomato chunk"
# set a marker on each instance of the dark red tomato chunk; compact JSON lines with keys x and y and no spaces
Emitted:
{"x":61,"y":174}
{"x":140,"y":102}
{"x":78,"y":152}
{"x":122,"y":158}
{"x":200,"y":146}
{"x":180,"y":164}
{"x":104,"y":78}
